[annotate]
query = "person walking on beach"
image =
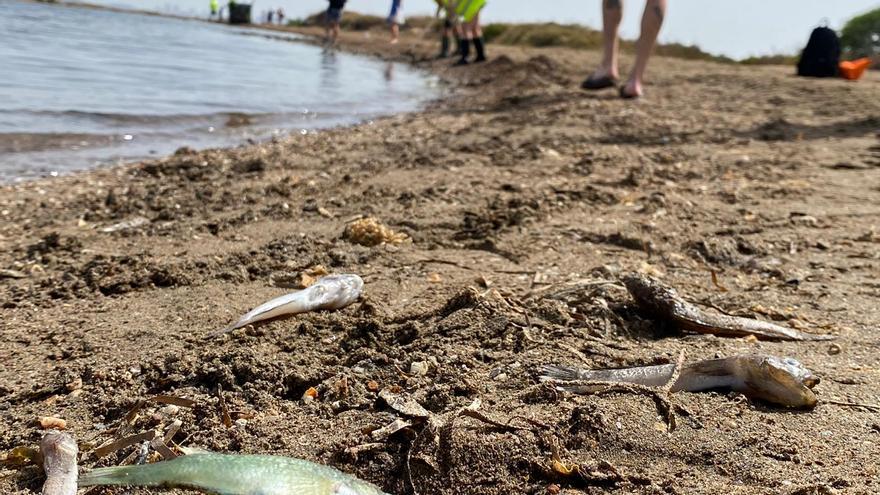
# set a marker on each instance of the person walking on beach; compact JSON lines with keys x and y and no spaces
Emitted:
{"x":469,"y":13}
{"x":280,"y":15}
{"x":395,"y":19}
{"x":607,"y":75}
{"x":334,"y":15}
{"x":215,"y":9}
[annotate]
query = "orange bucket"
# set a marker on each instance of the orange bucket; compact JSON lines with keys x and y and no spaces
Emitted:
{"x":853,"y":69}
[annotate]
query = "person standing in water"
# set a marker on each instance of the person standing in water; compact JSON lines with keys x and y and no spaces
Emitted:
{"x":469,"y":13}
{"x":334,"y":15}
{"x":607,"y":75}
{"x":395,"y":19}
{"x":215,"y":9}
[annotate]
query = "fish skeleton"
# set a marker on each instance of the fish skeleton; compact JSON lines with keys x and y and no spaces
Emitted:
{"x":230,"y":474}
{"x":330,"y":292}
{"x":781,"y":381}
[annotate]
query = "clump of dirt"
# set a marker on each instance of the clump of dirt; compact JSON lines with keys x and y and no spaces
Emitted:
{"x":370,"y":232}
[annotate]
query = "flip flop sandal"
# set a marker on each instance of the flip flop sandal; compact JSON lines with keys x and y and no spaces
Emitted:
{"x":603,"y":82}
{"x":627,"y":96}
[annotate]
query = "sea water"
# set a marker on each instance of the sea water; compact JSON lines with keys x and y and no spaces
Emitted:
{"x":81,"y":87}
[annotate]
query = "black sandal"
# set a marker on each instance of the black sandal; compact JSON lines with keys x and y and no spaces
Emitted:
{"x":594,"y":83}
{"x":625,"y":95}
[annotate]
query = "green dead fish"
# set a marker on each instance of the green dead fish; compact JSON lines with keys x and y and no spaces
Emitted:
{"x":235,"y":475}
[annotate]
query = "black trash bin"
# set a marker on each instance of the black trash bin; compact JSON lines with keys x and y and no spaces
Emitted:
{"x":239,"y":13}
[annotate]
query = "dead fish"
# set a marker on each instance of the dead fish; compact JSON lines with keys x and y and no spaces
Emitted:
{"x":59,"y":452}
{"x":781,"y":381}
{"x":235,"y":475}
{"x":663,"y":302}
{"x":330,"y":292}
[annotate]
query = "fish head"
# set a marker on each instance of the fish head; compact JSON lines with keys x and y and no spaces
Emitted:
{"x":782,"y":381}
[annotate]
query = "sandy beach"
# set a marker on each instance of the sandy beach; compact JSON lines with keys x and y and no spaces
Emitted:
{"x":524,"y":200}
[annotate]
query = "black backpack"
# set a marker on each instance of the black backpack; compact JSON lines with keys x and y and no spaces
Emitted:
{"x":821,"y":55}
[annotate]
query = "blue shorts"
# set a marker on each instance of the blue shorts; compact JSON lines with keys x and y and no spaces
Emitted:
{"x":334,"y":15}
{"x":395,"y":16}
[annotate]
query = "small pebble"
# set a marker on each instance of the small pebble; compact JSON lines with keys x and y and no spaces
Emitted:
{"x":834,"y":349}
{"x":75,"y":385}
{"x":240,"y":422}
{"x":418,"y":368}
{"x":169,"y":410}
{"x":373,"y":386}
{"x":310,"y":395}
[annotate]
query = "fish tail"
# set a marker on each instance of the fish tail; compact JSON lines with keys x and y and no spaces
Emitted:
{"x":143,"y":475}
{"x":552,"y":372}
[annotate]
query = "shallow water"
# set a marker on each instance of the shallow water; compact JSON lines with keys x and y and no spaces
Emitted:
{"x":81,"y":87}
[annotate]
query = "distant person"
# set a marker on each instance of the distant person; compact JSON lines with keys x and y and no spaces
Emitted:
{"x":270,"y":16}
{"x":280,"y":15}
{"x":445,"y":7}
{"x":395,"y":19}
{"x":334,"y":15}
{"x":469,"y":13}
{"x":215,"y":9}
{"x":607,"y":74}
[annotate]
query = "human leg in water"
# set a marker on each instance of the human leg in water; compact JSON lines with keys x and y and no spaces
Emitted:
{"x":652,"y":20}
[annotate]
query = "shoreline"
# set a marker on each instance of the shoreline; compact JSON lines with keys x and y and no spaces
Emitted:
{"x":27,"y":141}
{"x":511,"y":191}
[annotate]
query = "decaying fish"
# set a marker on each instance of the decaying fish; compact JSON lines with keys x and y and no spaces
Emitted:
{"x":330,"y":292}
{"x":235,"y":475}
{"x":59,"y":452}
{"x":663,"y":302}
{"x":781,"y":381}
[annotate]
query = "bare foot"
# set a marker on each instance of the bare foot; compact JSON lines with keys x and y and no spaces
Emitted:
{"x":394,"y":41}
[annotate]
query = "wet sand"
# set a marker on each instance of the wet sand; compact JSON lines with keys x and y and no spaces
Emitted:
{"x":512,"y":188}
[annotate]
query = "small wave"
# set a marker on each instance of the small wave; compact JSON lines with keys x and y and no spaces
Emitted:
{"x":25,"y":142}
{"x":123,"y":119}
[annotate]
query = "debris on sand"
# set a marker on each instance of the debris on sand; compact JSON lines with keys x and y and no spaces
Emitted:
{"x":781,"y":381}
{"x":8,"y":273}
{"x":663,"y":302}
{"x":234,"y":475}
{"x":129,"y":224}
{"x":301,"y":280}
{"x":330,"y":292}
{"x":59,"y":451}
{"x":52,"y":423}
{"x":370,"y":232}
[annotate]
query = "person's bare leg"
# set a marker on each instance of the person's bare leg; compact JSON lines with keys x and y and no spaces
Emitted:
{"x":652,"y":20}
{"x":395,"y":32}
{"x":612,"y":13}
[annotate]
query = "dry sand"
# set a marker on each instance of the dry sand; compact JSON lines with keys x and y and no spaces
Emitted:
{"x":511,"y":188}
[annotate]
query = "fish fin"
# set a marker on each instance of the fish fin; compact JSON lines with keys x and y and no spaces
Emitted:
{"x":193,"y":450}
{"x":552,"y":372}
{"x":224,"y":331}
{"x":135,"y":475}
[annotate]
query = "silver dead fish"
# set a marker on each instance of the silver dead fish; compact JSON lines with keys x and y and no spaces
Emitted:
{"x":781,"y":381}
{"x":330,"y":292}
